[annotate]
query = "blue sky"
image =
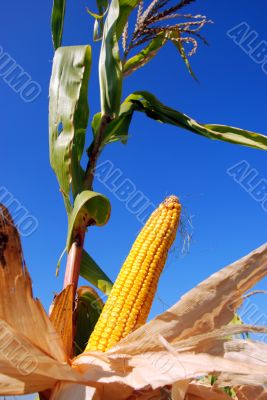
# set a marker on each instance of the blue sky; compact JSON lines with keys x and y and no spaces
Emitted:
{"x":158,"y":159}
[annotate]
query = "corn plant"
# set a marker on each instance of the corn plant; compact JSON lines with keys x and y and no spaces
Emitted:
{"x":124,"y":49}
{"x":86,"y":349}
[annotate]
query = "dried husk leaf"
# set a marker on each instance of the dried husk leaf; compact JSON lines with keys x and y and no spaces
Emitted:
{"x":61,"y":317}
{"x":69,"y":391}
{"x":32,"y":356}
{"x":198,"y":391}
{"x":245,"y":352}
{"x":24,"y":368}
{"x":17,"y":306}
{"x":179,"y":390}
{"x":247,"y":392}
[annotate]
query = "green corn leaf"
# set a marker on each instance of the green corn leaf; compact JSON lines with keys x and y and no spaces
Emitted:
{"x":116,"y":130}
{"x":90,"y":208}
{"x":102,"y":6}
{"x":68,"y":116}
{"x":110,"y":69}
{"x":89,"y":307}
{"x":145,"y":55}
{"x":96,"y":16}
{"x":57,"y":21}
{"x":126,"y":7}
{"x":96,"y":123}
{"x":153,"y":108}
{"x":244,"y":137}
{"x":94,"y":274}
{"x":152,"y":49}
{"x":99,"y":24}
{"x":180,"y":48}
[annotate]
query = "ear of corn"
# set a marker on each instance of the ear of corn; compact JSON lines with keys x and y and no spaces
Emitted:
{"x":131,"y":297}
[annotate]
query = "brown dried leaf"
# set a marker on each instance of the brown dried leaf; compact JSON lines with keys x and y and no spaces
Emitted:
{"x":247,"y":392}
{"x":61,"y":317}
{"x":197,"y":391}
{"x":32,"y":356}
{"x":18,"y":308}
{"x":246,"y":352}
{"x":179,"y":390}
{"x":24,"y":368}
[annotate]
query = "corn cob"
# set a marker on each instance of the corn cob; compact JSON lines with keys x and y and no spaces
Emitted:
{"x":131,"y":297}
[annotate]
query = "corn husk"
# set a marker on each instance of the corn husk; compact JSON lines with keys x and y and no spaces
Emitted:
{"x":62,"y":317}
{"x":191,"y":339}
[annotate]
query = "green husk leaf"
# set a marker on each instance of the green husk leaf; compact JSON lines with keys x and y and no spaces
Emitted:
{"x":57,"y":21}
{"x":89,"y":307}
{"x":68,"y":117}
{"x":90,"y":208}
{"x":94,"y":274}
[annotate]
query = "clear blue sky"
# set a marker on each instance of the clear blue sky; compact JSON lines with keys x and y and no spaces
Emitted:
{"x":159,"y":159}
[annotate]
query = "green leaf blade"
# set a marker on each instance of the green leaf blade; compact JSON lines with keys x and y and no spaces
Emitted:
{"x":110,"y":69}
{"x":174,"y":37}
{"x":57,"y":21}
{"x":90,"y":208}
{"x":94,"y":274}
{"x":68,"y":116}
{"x":153,"y":108}
{"x":126,"y":7}
{"x":144,"y":56}
{"x":244,"y":137}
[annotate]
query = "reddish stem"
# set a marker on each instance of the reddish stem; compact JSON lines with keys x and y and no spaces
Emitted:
{"x":74,"y":261}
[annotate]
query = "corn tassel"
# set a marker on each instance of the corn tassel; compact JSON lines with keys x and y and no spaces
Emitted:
{"x":131,"y":297}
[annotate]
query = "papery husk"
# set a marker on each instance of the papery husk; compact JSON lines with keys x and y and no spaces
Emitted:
{"x":198,"y":391}
{"x":62,"y":317}
{"x":32,"y":355}
{"x":245,"y":352}
{"x":179,"y":390}
{"x":247,"y":392}
{"x":188,"y":340}
{"x":17,"y":306}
